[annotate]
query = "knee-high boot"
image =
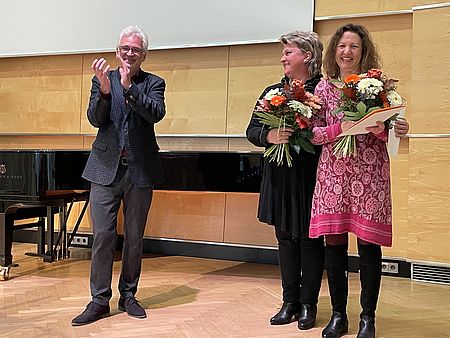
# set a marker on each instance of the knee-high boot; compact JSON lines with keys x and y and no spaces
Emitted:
{"x":289,"y":256}
{"x":370,"y":277}
{"x":337,"y":267}
{"x":313,"y":256}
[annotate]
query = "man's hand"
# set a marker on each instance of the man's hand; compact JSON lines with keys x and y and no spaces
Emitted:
{"x":101,"y":68}
{"x":401,"y":127}
{"x":125,"y":73}
{"x":279,"y":136}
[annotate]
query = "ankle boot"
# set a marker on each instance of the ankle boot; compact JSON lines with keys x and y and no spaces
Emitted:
{"x":370,"y":277}
{"x":284,"y":316}
{"x":366,"y":327}
{"x":307,"y":318}
{"x":337,"y":327}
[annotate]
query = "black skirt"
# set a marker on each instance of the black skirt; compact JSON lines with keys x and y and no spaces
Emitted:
{"x":286,"y":193}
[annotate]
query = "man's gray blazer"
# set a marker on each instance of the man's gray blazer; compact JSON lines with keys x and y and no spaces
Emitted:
{"x":126,"y":119}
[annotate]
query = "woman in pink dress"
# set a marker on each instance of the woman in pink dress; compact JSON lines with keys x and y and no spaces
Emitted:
{"x":352,"y":194}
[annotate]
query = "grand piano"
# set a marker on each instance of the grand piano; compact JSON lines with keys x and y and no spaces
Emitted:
{"x":42,"y":183}
{"x":39,"y":184}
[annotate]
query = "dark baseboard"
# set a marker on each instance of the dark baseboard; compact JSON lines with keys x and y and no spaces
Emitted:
{"x":241,"y":253}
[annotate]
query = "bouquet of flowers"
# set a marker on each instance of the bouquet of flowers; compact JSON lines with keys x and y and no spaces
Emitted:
{"x":288,"y":107}
{"x":360,"y":95}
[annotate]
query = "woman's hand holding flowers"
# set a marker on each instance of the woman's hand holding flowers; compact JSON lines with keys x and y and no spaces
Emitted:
{"x":279,"y":136}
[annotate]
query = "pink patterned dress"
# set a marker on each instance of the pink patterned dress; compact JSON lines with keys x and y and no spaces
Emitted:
{"x":352,"y":194}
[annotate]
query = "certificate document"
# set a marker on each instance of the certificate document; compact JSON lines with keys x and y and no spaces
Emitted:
{"x":371,"y":119}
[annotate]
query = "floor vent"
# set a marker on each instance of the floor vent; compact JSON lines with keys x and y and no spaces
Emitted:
{"x":431,"y":273}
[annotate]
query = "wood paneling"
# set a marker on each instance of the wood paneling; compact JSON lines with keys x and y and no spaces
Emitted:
{"x":187,"y":215}
{"x":241,"y":224}
{"x":41,"y":142}
{"x":427,"y":2}
{"x":196,"y":89}
{"x":193,"y":143}
{"x":252,"y":69}
{"x":429,"y":198}
{"x":430,"y":92}
{"x":349,"y":7}
{"x":40,"y":94}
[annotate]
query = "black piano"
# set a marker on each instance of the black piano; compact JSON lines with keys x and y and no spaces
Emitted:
{"x":40,"y":183}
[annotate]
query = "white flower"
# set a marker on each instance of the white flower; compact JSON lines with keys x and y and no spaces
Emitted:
{"x":300,"y":108}
{"x":271,"y":93}
{"x":369,"y":87}
{"x":394,"y":98}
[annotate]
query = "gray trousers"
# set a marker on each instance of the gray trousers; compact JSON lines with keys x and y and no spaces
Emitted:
{"x":104,"y":206}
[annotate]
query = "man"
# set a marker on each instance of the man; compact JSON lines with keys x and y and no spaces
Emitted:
{"x":124,"y":165}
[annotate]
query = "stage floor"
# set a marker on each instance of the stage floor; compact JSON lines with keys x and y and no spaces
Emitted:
{"x":196,"y":297}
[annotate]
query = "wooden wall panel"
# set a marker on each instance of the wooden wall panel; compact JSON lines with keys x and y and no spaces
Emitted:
{"x":241,"y":224}
{"x":430,"y":92}
{"x":427,"y":2}
{"x":399,"y":191}
{"x":40,"y":94}
{"x":41,"y":142}
{"x":196,"y":89}
{"x":187,"y":215}
{"x":252,"y":68}
{"x":429,"y":198}
{"x":348,"y":7}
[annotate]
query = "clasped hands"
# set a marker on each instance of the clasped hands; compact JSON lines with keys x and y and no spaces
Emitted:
{"x":101,"y":68}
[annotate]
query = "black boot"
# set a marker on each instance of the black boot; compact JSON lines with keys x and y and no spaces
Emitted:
{"x":284,"y":316}
{"x":337,"y":267}
{"x":307,"y":318}
{"x":370,"y":277}
{"x":337,"y":327}
{"x":313,"y":253}
{"x":366,"y":327}
{"x":289,"y":256}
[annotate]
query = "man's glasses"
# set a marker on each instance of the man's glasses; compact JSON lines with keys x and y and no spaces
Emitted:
{"x":134,"y":50}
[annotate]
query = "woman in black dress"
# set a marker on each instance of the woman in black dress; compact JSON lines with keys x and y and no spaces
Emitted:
{"x":286,"y":192}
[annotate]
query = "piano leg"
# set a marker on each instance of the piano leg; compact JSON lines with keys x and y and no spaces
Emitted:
{"x":49,"y":255}
{"x":6,"y":235}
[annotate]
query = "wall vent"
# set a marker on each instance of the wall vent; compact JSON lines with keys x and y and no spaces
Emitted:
{"x":431,"y":273}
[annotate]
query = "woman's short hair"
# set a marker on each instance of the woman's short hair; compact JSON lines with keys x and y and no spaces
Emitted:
{"x":370,"y":57}
{"x":135,"y":31}
{"x":307,"y":42}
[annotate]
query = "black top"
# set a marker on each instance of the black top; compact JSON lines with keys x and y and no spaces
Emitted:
{"x":286,"y":192}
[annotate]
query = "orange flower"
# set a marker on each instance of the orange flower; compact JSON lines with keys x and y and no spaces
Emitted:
{"x":384,"y":99}
{"x":277,"y":100}
{"x":352,"y":78}
{"x":374,"y":73}
{"x":302,"y":124}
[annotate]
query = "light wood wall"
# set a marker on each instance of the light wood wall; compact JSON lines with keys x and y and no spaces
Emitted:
{"x":213,"y":90}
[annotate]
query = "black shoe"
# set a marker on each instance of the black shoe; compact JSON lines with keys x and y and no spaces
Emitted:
{"x":366,"y":327}
{"x":92,"y":313}
{"x":307,"y":318}
{"x":132,"y":307}
{"x":284,"y":316}
{"x":337,"y":327}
